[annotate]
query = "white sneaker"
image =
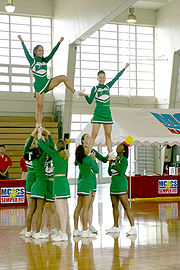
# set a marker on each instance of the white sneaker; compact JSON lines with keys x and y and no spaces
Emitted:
{"x":45,"y":231}
{"x":113,"y":230}
{"x":111,"y":156}
{"x":59,"y":237}
{"x":132,"y":231}
{"x":77,"y":233}
{"x":53,"y":231}
{"x":40,"y":235}
{"x":92,"y":229}
{"x":29,"y":234}
{"x":23,"y":231}
{"x":88,"y":234}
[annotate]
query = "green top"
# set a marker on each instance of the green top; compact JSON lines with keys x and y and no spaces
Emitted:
{"x":119,"y":167}
{"x":28,"y":150}
{"x":88,"y":168}
{"x":38,"y":65}
{"x":99,"y":156}
{"x":60,"y":165}
{"x":101,"y":93}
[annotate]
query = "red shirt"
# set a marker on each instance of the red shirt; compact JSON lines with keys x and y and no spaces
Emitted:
{"x":5,"y":161}
{"x":23,"y":165}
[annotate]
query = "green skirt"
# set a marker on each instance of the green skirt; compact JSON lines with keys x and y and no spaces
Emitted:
{"x":49,"y":194}
{"x":31,"y":178}
{"x":85,"y":186}
{"x":61,"y":187}
{"x":102,"y":115}
{"x":42,"y":85}
{"x":39,"y":189}
{"x":119,"y":185}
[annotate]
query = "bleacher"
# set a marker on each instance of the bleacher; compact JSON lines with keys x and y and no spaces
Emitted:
{"x":13,"y":134}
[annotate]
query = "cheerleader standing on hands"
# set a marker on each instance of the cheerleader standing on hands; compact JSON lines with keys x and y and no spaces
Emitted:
{"x":42,"y":84}
{"x":102,"y":113}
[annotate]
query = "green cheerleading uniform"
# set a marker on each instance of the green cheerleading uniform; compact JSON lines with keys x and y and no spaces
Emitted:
{"x":39,"y":188}
{"x":87,"y":170}
{"x":48,"y":164}
{"x":102,"y":159}
{"x":99,"y":157}
{"x":38,"y":67}
{"x":60,"y":183}
{"x":101,"y":93}
{"x":31,"y":177}
{"x":119,"y":182}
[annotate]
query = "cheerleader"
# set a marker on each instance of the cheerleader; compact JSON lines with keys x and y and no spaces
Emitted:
{"x":42,"y":84}
{"x":119,"y":188}
{"x":61,"y":189}
{"x":88,"y":167}
{"x":102,"y":113}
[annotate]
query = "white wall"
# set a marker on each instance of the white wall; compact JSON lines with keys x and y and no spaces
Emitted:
{"x":167,"y":42}
{"x":78,"y":19}
{"x":31,"y":7}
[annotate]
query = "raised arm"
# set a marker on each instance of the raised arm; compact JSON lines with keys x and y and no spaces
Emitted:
{"x":99,"y":156}
{"x":50,"y":56}
{"x":110,"y":84}
{"x":28,"y":144}
{"x":90,"y":98}
{"x":28,"y":56}
{"x":94,"y":165}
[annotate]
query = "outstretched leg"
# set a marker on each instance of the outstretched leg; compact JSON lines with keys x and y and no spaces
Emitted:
{"x":95,"y":130}
{"x":61,"y":79}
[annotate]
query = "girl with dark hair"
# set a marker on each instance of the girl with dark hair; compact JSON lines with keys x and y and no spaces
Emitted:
{"x":119,"y":188}
{"x":30,"y":144}
{"x":102,"y":113}
{"x":42,"y":84}
{"x":88,"y":167}
{"x":85,"y":141}
{"x":61,"y":189}
{"x":38,"y":193}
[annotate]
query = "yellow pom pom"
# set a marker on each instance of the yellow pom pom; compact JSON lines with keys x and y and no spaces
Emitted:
{"x":67,"y":141}
{"x":129,"y":140}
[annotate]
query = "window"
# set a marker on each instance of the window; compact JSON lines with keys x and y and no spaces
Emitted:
{"x":15,"y":74}
{"x":109,"y":49}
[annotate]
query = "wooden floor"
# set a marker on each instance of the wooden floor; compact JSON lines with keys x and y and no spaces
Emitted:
{"x":157,"y":245}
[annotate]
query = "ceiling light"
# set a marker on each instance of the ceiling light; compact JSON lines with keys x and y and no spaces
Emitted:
{"x":131,"y":17}
{"x":10,"y":7}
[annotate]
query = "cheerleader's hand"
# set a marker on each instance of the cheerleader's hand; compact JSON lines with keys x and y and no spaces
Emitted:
{"x":20,"y":38}
{"x":61,"y":40}
{"x":81,"y":93}
{"x":93,"y":156}
{"x":117,"y":159}
{"x":34,"y":132}
{"x":127,"y":65}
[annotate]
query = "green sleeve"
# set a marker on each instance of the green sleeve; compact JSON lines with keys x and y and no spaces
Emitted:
{"x":90,"y":98}
{"x":51,"y":142}
{"x":109,"y":169}
{"x":110,"y":84}
{"x":94,"y":165}
{"x":45,"y":147}
{"x":28,"y":145}
{"x":29,"y":58}
{"x":121,"y":167}
{"x":50,"y":56}
{"x":99,"y":156}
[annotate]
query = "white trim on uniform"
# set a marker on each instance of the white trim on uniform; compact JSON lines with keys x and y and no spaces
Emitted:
{"x":36,"y":196}
{"x":62,"y":197}
{"x":118,"y":193}
{"x":85,"y":193}
{"x":50,"y":200}
{"x":44,"y":87}
{"x":102,"y":122}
